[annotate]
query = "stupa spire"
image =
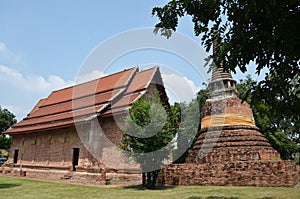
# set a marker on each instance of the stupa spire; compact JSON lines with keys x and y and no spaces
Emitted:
{"x":222,"y":84}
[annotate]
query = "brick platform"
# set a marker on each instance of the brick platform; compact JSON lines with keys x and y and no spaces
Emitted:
{"x":99,"y":178}
{"x":250,"y":173}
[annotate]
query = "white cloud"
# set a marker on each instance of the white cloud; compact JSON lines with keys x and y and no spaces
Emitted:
{"x":95,"y":74}
{"x":18,"y":110}
{"x":179,"y":88}
{"x":20,"y":92}
{"x":31,"y":83}
{"x":7,"y":54}
{"x":3,"y":48}
{"x":10,"y":72}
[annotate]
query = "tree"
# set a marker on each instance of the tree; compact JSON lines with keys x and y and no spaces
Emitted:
{"x":149,"y":127}
{"x":283,"y":133}
{"x":7,"y":119}
{"x":5,"y":142}
{"x":265,"y":32}
{"x":189,"y":117}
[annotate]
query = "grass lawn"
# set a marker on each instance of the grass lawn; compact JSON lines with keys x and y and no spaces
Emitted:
{"x":14,"y":188}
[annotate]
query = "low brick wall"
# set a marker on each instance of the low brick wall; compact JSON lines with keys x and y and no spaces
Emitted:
{"x":54,"y":174}
{"x":242,"y":173}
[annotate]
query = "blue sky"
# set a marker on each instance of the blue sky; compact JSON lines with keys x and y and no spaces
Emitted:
{"x":44,"y":44}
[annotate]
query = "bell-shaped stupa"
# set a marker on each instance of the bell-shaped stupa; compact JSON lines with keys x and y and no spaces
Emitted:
{"x":230,"y":149}
{"x":228,"y":131}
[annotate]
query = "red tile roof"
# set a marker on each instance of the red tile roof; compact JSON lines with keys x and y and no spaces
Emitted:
{"x":141,"y":80}
{"x":84,"y":101}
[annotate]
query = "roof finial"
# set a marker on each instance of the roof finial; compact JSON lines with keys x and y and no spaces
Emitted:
{"x":218,"y":72}
{"x":216,"y":43}
{"x":222,"y":84}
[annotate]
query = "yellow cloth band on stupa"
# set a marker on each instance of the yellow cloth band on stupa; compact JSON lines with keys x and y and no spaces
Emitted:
{"x":226,"y":119}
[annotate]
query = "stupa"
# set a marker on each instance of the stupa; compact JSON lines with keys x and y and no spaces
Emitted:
{"x":230,"y":149}
{"x":228,"y":131}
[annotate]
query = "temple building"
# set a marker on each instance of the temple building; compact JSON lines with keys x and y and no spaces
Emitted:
{"x":74,"y":131}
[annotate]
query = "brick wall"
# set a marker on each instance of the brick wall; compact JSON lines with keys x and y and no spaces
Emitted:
{"x":251,"y":173}
{"x":224,"y":106}
{"x":54,"y":149}
{"x":49,"y":148}
{"x":231,"y":143}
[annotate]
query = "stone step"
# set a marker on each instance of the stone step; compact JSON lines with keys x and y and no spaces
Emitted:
{"x":67,"y":176}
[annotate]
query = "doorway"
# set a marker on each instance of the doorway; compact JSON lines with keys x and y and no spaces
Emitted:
{"x":75,"y":158}
{"x":16,"y":154}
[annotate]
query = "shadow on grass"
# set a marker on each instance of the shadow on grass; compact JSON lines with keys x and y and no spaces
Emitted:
{"x":140,"y":187}
{"x":220,"y":197}
{"x":212,"y":197}
{"x":266,"y":198}
{"x":6,"y":186}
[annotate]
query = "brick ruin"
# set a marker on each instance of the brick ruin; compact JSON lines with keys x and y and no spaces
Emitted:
{"x":230,"y":150}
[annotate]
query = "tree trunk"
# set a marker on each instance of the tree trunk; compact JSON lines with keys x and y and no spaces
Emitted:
{"x":148,"y":179}
{"x":151,"y":179}
{"x":143,"y":179}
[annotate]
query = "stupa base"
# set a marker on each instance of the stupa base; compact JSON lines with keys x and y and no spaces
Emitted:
{"x":281,"y":173}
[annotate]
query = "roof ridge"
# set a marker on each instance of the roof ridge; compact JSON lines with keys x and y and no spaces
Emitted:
{"x":37,"y":106}
{"x":133,"y":68}
{"x":144,"y":70}
{"x":79,"y":98}
{"x":156,"y":68}
{"x":106,"y":76}
{"x":73,"y":116}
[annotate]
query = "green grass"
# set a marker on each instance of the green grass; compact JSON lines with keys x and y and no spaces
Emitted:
{"x":14,"y":188}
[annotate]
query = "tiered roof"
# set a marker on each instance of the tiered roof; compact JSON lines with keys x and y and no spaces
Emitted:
{"x":82,"y":102}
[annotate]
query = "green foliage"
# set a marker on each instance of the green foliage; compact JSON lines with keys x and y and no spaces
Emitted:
{"x":189,"y":116}
{"x":297,"y":161}
{"x":5,"y":142}
{"x":264,"y":32}
{"x":148,"y":117}
{"x":282,"y":132}
{"x":149,"y":127}
{"x":7,"y":119}
{"x":261,"y":31}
